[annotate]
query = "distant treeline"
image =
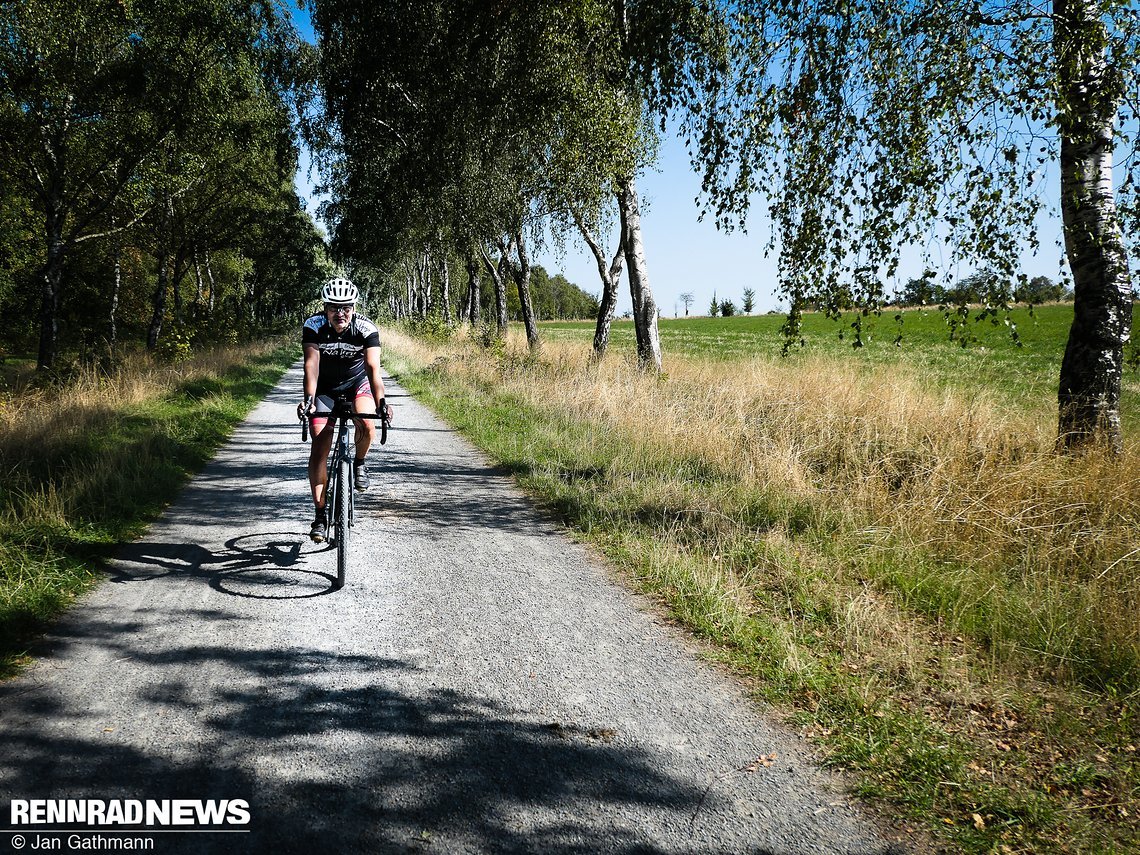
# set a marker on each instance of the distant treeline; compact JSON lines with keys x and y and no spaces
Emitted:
{"x":555,"y":298}
{"x":980,"y":288}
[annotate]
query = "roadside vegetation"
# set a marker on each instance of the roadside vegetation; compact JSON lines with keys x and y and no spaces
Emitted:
{"x":981,"y":354}
{"x":887,"y":549}
{"x":87,"y":464}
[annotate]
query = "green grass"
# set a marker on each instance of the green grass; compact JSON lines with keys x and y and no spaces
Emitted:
{"x":15,"y":370}
{"x":70,"y":499}
{"x":985,"y":355}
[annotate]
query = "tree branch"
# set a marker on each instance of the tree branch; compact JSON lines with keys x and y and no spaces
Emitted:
{"x":74,"y":240}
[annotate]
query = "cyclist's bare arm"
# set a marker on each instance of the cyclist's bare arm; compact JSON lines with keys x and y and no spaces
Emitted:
{"x":312,"y":369}
{"x":375,"y":375}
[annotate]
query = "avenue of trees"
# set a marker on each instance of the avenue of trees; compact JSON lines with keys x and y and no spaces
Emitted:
{"x":459,"y":130}
{"x":147,"y":159}
{"x":421,"y":288}
{"x":147,"y":152}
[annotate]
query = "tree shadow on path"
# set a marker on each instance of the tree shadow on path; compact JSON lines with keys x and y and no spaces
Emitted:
{"x":347,"y":757}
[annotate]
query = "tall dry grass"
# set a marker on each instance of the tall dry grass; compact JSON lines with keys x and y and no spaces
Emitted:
{"x":92,"y":392}
{"x":85,"y":464}
{"x":955,"y":505}
{"x":58,"y":445}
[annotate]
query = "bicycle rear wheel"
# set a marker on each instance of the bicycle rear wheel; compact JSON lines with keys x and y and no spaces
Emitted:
{"x":343,"y":517}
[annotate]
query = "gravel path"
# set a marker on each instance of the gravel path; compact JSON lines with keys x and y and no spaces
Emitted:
{"x":479,"y":685}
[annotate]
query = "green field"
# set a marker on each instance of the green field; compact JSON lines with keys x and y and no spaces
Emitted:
{"x":985,"y":356}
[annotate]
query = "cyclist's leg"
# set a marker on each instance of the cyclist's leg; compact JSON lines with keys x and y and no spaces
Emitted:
{"x":324,"y":432}
{"x":365,"y":431}
{"x":364,"y":402}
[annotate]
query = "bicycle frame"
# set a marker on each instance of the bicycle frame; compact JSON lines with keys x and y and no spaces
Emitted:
{"x":340,"y":499}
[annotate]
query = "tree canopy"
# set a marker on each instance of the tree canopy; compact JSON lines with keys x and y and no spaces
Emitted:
{"x":460,"y":126}
{"x":140,"y":143}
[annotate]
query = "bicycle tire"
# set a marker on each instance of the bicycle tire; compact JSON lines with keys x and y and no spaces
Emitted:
{"x":343,"y":520}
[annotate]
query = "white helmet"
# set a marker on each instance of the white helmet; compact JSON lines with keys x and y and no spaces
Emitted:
{"x":339,"y":291}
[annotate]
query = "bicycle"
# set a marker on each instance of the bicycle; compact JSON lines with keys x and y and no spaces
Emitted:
{"x":339,"y":496}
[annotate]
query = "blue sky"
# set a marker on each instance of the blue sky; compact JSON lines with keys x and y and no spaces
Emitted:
{"x":684,"y":254}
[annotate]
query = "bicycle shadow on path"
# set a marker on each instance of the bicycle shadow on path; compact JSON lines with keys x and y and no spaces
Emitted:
{"x":261,"y":565}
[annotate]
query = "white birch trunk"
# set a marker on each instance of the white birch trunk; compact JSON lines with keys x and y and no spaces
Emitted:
{"x":644,"y":306}
{"x":116,"y":287}
{"x":1089,"y":390}
{"x":474,"y":280}
{"x":198,"y":289}
{"x":498,"y":276}
{"x":212,"y":302}
{"x":610,"y":275}
{"x":445,"y":290}
{"x":522,"y":280}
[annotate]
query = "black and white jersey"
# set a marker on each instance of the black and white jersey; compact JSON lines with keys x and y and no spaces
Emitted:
{"x":342,"y":356}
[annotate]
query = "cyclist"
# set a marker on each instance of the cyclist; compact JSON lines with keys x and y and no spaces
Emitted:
{"x":342,"y":360}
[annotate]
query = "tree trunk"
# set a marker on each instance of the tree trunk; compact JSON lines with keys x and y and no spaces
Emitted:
{"x":498,"y":276}
{"x":474,"y":298}
{"x":423,"y":284}
{"x":162,"y":286}
{"x":213,"y":287}
{"x":50,"y":280}
{"x":179,"y":269}
{"x":609,"y":276}
{"x":197,"y":283}
{"x":159,"y":303}
{"x":51,"y":277}
{"x":419,"y":307}
{"x":445,"y":290}
{"x":177,"y":294}
{"x":116,"y":286}
{"x":1089,"y":391}
{"x":501,"y":289}
{"x":522,"y":280}
{"x":409,"y":286}
{"x":644,"y":307}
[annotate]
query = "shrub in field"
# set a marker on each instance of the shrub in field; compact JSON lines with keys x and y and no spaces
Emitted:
{"x":431,"y":328}
{"x":174,"y":346}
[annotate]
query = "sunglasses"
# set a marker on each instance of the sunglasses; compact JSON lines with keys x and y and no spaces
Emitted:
{"x":339,"y":310}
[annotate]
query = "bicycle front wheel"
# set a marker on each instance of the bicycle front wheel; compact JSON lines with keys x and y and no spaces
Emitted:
{"x":343,"y":517}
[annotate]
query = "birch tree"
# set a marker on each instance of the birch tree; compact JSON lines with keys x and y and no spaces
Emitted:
{"x":868,"y":128}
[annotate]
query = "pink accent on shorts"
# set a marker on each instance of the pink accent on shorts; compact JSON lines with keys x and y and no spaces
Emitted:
{"x":364,"y":390}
